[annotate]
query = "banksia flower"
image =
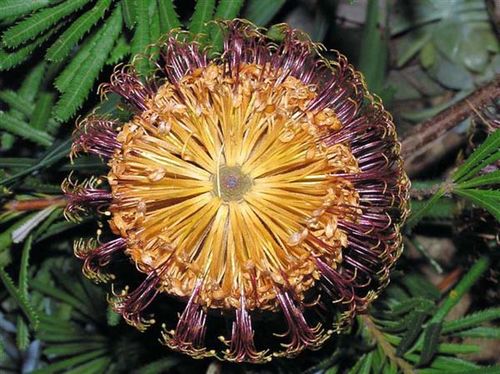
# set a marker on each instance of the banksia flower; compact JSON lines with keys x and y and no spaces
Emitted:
{"x":263,"y":187}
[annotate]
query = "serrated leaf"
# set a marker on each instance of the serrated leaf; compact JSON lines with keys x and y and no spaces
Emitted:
{"x":489,"y":150}
{"x":69,"y":38}
{"x":10,"y":59}
{"x":63,"y":365}
{"x":419,"y":303}
{"x":22,"y":129}
{"x":203,"y":12}
{"x":416,"y":216}
{"x":489,"y":200}
{"x":41,"y":113}
{"x":412,"y":333}
{"x":16,"y":102}
{"x":71,"y":349}
{"x":23,"y":267}
{"x":129,"y":10}
{"x":99,"y":365}
{"x":22,"y":334}
{"x":141,"y":38}
{"x":14,"y":8}
{"x":262,"y":12}
{"x":78,"y":89}
{"x":39,"y":22}
{"x":482,"y":180}
{"x":19,"y":298}
{"x":159,"y":366}
{"x":471,"y":320}
{"x":31,"y":84}
{"x":480,"y":333}
{"x":431,"y":343}
{"x":119,"y":52}
{"x":227,"y":9}
{"x":169,"y":19}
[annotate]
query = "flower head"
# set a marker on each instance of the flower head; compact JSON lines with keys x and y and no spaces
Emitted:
{"x":264,"y":185}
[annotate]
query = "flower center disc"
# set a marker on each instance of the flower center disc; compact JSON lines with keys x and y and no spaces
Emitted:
{"x":229,"y":181}
{"x":231,"y":184}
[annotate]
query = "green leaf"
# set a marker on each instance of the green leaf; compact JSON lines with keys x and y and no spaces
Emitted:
{"x":489,"y":200}
{"x":23,"y":268}
{"x":481,"y":333}
{"x":19,"y":298}
{"x":39,"y":22}
{"x":159,"y":366}
{"x":419,"y":303}
{"x":16,"y":102}
{"x":475,"y":162}
{"x":63,"y":296}
{"x":227,"y":9}
{"x":78,"y":89}
{"x":416,"y":216}
{"x":373,"y":54}
{"x":141,"y":38}
{"x":482,"y":180}
{"x":262,"y":12}
{"x":129,"y":9}
{"x":169,"y":19}
{"x":412,"y":333}
{"x":15,"y":8}
{"x":119,"y":52}
{"x":41,"y":113}
{"x":203,"y":12}
{"x":31,"y":84}
{"x":53,"y":154}
{"x":431,"y":343}
{"x":70,"y":362}
{"x":154,"y":27}
{"x":471,"y":320}
{"x":99,"y":365}
{"x":67,"y":349}
{"x":22,"y":334}
{"x":22,"y":129}
{"x":10,"y":59}
{"x":63,"y":45}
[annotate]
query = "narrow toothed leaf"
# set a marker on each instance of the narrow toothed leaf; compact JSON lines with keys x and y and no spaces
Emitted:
{"x":64,"y":44}
{"x":129,"y":8}
{"x":262,"y":12}
{"x":482,"y":180}
{"x":23,"y":303}
{"x":119,"y":52}
{"x":431,"y":343}
{"x":169,"y":19}
{"x":39,"y":22}
{"x":489,"y":151}
{"x":489,"y":200}
{"x":471,"y":320}
{"x":79,"y":87}
{"x":9,"y":60}
{"x":202,"y":14}
{"x":141,"y":38}
{"x":42,"y":111}
{"x":227,"y":9}
{"x":33,"y":82}
{"x":22,"y":129}
{"x":17,"y":102}
{"x":22,"y":334}
{"x":10,"y":9}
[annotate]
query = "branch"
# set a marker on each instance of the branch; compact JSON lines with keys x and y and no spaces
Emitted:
{"x":417,"y":140}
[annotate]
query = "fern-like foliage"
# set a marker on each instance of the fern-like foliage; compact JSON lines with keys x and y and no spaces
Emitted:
{"x":81,"y":37}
